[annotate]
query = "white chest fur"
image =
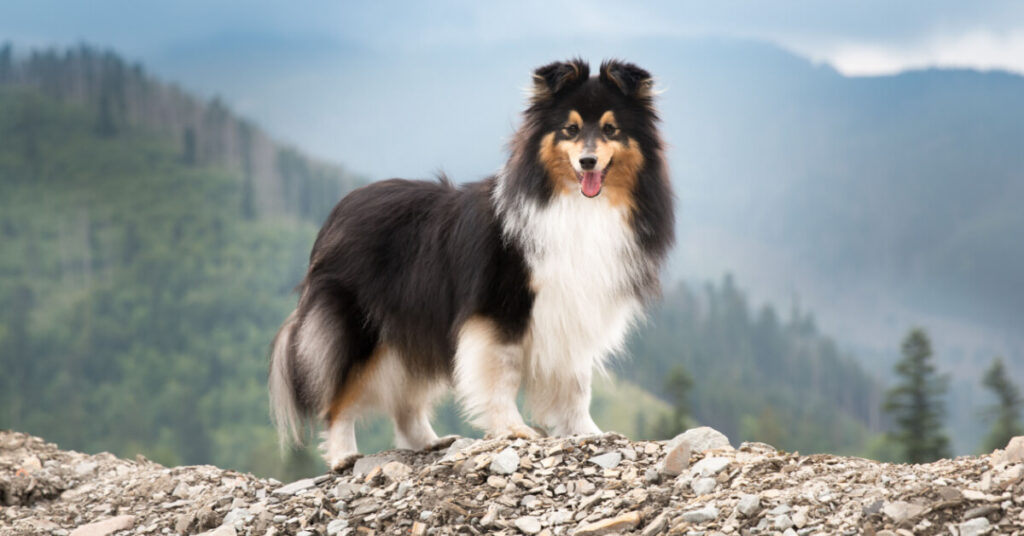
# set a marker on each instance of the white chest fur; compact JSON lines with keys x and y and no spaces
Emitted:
{"x":583,"y":261}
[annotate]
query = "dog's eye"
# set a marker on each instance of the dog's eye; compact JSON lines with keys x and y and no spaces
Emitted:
{"x":572,"y":130}
{"x":610,"y":129}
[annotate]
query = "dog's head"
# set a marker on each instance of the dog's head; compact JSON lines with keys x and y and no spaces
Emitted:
{"x":592,"y":135}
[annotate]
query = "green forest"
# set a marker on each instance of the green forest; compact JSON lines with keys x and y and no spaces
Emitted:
{"x":151,"y":244}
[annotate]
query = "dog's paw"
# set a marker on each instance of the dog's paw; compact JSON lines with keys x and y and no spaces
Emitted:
{"x":442,"y":442}
{"x":515,"y":432}
{"x":342,"y":462}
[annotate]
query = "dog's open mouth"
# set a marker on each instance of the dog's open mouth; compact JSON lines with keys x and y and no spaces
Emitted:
{"x":592,"y":181}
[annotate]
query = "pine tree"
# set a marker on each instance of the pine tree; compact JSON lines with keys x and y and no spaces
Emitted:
{"x":678,"y":385}
{"x":916,"y":402}
{"x":1007,"y":411}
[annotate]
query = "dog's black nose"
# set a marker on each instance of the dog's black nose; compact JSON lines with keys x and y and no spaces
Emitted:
{"x":588,"y":162}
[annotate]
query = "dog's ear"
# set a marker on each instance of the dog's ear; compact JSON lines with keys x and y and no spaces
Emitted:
{"x":554,"y":78}
{"x":631,"y":80}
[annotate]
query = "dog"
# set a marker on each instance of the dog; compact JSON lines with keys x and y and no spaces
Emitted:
{"x":531,"y":277}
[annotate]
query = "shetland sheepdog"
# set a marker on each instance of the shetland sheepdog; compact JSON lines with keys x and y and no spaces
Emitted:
{"x":530,"y":278}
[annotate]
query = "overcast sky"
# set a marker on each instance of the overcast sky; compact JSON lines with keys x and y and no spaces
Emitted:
{"x":862,"y":37}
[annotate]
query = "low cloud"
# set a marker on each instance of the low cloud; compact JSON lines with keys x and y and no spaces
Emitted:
{"x":979,"y":49}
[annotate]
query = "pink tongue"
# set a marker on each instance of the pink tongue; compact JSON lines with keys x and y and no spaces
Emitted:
{"x":591,"y":183}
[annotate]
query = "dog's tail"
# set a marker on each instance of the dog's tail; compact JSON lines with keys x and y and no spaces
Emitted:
{"x":284,"y":400}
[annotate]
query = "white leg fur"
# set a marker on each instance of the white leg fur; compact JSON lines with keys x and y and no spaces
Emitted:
{"x":487,"y":379}
{"x":385,"y":385}
{"x":339,"y":446}
{"x":584,"y":263}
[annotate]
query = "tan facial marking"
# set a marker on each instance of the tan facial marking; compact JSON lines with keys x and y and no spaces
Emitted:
{"x":561,"y":159}
{"x":608,"y":118}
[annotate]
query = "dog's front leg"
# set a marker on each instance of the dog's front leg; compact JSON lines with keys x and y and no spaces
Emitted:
{"x":560,"y":401}
{"x":488,"y":373}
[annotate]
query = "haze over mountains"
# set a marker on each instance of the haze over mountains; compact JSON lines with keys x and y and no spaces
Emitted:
{"x":879,"y":203}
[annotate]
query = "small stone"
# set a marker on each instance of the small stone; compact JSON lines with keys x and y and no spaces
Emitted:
{"x":236,"y":516}
{"x":708,"y":513}
{"x":367,"y":464}
{"x":505,"y":463}
{"x":652,"y":476}
{"x":497,"y":482}
{"x":559,"y":517}
{"x":490,"y":516}
{"x":885,"y":533}
{"x":107,"y":526}
{"x":294,"y":487}
{"x":748,"y":505}
{"x":799,"y":519}
{"x":900,"y":511}
{"x":703,"y":486}
{"x":873,"y":508}
{"x":701,"y":439}
{"x":621,"y":523}
{"x":418,"y":529}
{"x":710,"y":466}
{"x":335,"y":527}
{"x":528,"y":524}
{"x":396,"y":471}
{"x":223,"y":530}
{"x":782,"y":522}
{"x":85,"y":467}
{"x":976,"y":526}
{"x":790,"y":532}
{"x":657,"y":526}
{"x":949,"y":493}
{"x":610,"y":460}
{"x":980,"y":511}
{"x":677,"y":460}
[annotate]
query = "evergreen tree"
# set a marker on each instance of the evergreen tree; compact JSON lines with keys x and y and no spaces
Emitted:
{"x":677,"y":388}
{"x":1007,"y":411}
{"x":916,"y":402}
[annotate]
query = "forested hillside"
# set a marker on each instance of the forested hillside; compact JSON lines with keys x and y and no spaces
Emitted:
{"x":759,"y":376}
{"x":150,"y":244}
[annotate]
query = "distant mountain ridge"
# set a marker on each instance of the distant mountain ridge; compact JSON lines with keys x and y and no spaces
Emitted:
{"x":277,"y":178}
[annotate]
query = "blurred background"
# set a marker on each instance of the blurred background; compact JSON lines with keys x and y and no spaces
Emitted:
{"x":845,"y":172}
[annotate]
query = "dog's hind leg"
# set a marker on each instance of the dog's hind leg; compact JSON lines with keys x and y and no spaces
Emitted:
{"x":487,"y":377}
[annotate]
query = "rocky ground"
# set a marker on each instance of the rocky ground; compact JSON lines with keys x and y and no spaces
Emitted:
{"x":694,"y":484}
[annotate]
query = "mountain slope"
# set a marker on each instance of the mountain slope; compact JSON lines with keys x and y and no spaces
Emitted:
{"x":145,"y":266}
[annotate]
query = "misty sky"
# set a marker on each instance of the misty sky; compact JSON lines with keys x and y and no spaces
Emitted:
{"x":857,"y":37}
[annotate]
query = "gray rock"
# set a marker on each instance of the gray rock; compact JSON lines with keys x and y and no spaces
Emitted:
{"x":900,"y":511}
{"x":1014,"y":452}
{"x":223,"y":530}
{"x":364,"y":465}
{"x":85,"y":467}
{"x":708,"y":513}
{"x":528,"y":524}
{"x":336,"y":526}
{"x":236,"y":516}
{"x":107,"y":526}
{"x":701,"y":439}
{"x":975,"y":527}
{"x":677,"y":459}
{"x":782,"y":522}
{"x":703,"y":486}
{"x":396,"y":471}
{"x":294,"y":487}
{"x":710,"y":466}
{"x":459,"y":445}
{"x":559,"y":517}
{"x":505,"y":462}
{"x":609,"y":460}
{"x":656,"y":526}
{"x":748,"y":505}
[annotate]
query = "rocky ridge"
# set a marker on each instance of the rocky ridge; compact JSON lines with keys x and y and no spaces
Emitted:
{"x":580,"y":486}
